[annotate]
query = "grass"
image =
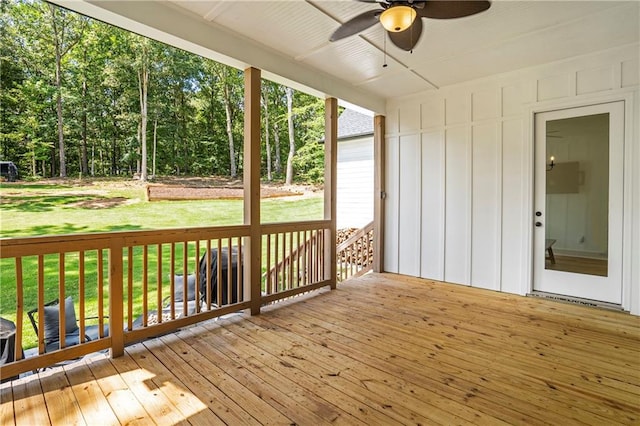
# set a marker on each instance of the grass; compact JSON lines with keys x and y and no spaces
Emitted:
{"x":99,"y":206}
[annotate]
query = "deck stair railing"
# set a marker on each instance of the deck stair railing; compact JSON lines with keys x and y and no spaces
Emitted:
{"x":355,"y":254}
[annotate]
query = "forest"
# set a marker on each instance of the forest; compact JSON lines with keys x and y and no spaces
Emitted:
{"x":83,"y":98}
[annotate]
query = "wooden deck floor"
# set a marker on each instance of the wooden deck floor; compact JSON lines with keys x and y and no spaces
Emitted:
{"x":379,"y":350}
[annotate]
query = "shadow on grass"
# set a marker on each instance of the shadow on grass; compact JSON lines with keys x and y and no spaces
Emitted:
{"x":11,"y":185}
{"x":44,"y":203}
{"x":66,"y":228}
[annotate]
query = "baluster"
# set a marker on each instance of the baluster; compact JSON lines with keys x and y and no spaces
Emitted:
{"x":172,"y":279}
{"x":101,"y":292}
{"x":159,"y":283}
{"x":81,"y":307}
{"x":130,"y":288}
{"x":19,"y":310}
{"x":219,"y":271}
{"x":40,"y":304}
{"x":239,"y":283}
{"x":207,"y":287}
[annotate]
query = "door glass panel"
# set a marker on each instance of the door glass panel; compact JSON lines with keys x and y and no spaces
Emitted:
{"x":577,"y":195}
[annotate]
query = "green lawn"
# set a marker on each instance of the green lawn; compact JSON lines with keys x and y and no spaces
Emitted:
{"x":29,"y":210}
{"x":50,"y":209}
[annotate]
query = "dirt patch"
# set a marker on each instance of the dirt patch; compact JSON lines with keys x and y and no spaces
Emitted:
{"x":175,"y":192}
{"x":217,"y":188}
{"x":103,"y":203}
{"x":159,"y":188}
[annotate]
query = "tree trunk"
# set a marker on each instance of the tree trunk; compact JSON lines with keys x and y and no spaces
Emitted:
{"x":84,"y":160}
{"x":227,"y":109}
{"x":138,"y":152}
{"x":143,"y":78}
{"x":114,"y":141}
{"x":33,"y":162}
{"x":265,"y":103}
{"x":155,"y":143}
{"x":63,"y":165}
{"x":93,"y":158}
{"x":292,"y":139}
{"x":276,"y":137}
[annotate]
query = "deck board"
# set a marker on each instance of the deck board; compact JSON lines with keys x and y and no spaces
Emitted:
{"x":120,"y":397}
{"x":61,"y":402}
{"x":381,"y":349}
{"x":88,"y":394}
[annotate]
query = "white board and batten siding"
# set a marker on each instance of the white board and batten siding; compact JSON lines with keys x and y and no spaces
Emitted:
{"x":459,"y":167}
{"x":355,"y":182}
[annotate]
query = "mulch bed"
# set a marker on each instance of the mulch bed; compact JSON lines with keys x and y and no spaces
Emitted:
{"x":175,"y":192}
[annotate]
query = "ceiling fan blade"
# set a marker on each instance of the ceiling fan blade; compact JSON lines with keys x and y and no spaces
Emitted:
{"x":357,"y":24}
{"x":448,"y":9}
{"x":408,"y":38}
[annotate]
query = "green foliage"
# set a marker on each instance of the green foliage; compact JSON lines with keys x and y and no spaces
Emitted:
{"x":309,"y":163}
{"x":195,"y":105}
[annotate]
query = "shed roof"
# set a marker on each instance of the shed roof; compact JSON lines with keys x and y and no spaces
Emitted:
{"x":352,"y":123}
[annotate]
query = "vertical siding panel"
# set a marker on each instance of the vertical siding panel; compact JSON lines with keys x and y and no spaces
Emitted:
{"x":432,"y":195}
{"x":409,"y":117}
{"x":486,"y":207}
{"x":512,"y":205}
{"x":409,"y":229}
{"x":457,"y":205}
{"x":355,"y":183}
{"x":392,"y":205}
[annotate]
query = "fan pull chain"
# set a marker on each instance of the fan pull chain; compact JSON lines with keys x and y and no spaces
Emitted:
{"x":411,"y":52}
{"x":384,"y":65}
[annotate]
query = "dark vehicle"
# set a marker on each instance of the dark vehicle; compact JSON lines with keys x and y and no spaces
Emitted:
{"x":8,"y":170}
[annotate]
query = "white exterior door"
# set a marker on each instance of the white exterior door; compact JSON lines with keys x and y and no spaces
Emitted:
{"x":579,"y":202}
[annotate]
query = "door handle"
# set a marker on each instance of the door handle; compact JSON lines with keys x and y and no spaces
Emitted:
{"x":538,"y":224}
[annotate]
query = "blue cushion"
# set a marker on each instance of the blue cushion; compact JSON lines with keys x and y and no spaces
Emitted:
{"x":52,"y":320}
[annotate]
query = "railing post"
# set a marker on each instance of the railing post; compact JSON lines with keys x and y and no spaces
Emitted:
{"x":251,"y":175}
{"x":330,"y":186}
{"x":378,"y":191}
{"x":116,"y":317}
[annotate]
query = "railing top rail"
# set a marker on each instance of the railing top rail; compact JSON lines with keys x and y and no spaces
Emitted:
{"x":270,"y":228}
{"x":359,"y":234}
{"x":29,"y":246}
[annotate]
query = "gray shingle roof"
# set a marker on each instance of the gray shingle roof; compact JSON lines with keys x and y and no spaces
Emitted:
{"x":352,"y":123}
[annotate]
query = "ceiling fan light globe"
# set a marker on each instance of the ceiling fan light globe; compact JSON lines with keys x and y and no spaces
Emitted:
{"x":398,"y":18}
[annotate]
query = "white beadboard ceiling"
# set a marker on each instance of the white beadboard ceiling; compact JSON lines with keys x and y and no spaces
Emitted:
{"x":510,"y":35}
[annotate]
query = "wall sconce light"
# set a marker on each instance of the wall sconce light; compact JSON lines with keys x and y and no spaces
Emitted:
{"x":551,"y":163}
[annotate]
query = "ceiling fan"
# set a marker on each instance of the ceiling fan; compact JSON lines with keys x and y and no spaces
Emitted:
{"x":403,"y":19}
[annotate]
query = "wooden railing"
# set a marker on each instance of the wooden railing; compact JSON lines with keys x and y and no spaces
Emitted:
{"x":355,"y":254}
{"x":132,"y":282}
{"x":294,"y":258}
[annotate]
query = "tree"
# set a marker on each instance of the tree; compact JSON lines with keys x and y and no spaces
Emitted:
{"x":228,"y":84}
{"x":264,"y":101}
{"x":80,"y":94}
{"x":292,"y":138}
{"x":67,"y":28}
{"x":143,"y":87}
{"x":308,"y":113}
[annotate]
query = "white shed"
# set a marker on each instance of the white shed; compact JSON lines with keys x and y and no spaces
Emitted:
{"x":355,"y":169}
